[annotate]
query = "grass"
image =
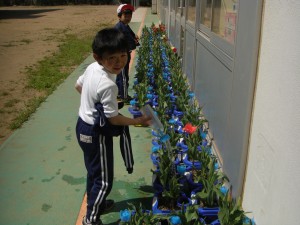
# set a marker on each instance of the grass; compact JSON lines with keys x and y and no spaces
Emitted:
{"x":53,"y":70}
{"x":30,"y":108}
{"x":50,"y":72}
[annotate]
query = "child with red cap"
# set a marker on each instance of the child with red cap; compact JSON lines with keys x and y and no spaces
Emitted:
{"x":124,"y":12}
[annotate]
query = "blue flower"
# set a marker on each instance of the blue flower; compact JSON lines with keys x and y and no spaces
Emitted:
{"x":155,"y":148}
{"x":224,"y":190}
{"x":149,"y":96}
{"x":216,"y":166}
{"x":175,"y":220}
{"x":132,"y":102}
{"x":165,"y":138}
{"x":203,"y":134}
{"x":150,"y":88}
{"x":181,"y":169}
{"x":172,"y":121}
{"x":125,"y":215}
{"x":247,"y":220}
{"x":191,"y":94}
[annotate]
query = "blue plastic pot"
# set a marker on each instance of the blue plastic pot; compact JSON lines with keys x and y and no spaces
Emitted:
{"x":208,"y":211}
{"x":177,"y":113}
{"x":182,"y":146}
{"x":196,"y":187}
{"x":156,"y":184}
{"x":209,"y":214}
{"x":136,"y":113}
{"x":216,"y":222}
{"x":183,"y":201}
{"x":155,"y":208}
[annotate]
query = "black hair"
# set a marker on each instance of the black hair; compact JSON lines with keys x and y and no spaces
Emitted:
{"x":109,"y":40}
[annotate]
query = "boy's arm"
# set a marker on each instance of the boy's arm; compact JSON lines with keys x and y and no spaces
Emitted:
{"x":78,"y":88}
{"x":79,"y":83}
{"x":125,"y":121}
{"x":136,"y":37}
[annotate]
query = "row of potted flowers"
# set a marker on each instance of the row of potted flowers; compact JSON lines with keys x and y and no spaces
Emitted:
{"x":190,"y":188}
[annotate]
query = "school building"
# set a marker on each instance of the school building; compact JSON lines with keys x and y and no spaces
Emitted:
{"x":241,"y":58}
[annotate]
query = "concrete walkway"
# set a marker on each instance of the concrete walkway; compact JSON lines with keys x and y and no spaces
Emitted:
{"x":42,"y":174}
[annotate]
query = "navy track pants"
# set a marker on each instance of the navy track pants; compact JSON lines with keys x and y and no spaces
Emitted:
{"x":99,"y":162}
{"x":122,"y":80}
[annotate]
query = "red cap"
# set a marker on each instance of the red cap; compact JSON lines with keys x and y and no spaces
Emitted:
{"x":125,"y":7}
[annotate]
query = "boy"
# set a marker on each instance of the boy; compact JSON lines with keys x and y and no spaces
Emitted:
{"x":124,"y":12}
{"x":97,"y":86}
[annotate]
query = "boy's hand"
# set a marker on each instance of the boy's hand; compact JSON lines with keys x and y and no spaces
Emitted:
{"x":144,"y":120}
{"x":137,"y":40}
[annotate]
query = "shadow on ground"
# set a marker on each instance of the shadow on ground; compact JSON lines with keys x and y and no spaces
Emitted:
{"x":23,"y":14}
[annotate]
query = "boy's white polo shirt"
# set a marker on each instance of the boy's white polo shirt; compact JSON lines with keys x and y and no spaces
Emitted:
{"x":97,"y":85}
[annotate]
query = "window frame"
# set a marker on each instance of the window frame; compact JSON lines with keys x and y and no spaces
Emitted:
{"x":212,"y":37}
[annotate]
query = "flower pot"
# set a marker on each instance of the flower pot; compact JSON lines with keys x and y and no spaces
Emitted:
{"x":135,"y":112}
{"x":194,"y":186}
{"x":156,"y":184}
{"x":183,"y":202}
{"x":178,"y":114}
{"x":155,"y":207}
{"x":183,"y":147}
{"x":209,"y":215}
{"x":216,"y":222}
{"x":208,"y":211}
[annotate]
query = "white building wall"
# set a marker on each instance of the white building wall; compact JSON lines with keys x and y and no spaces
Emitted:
{"x":272,"y":183}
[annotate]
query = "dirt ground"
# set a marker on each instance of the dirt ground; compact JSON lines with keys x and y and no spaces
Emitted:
{"x":27,"y":35}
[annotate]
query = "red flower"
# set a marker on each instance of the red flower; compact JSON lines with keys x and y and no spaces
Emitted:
{"x":174,"y":49}
{"x":155,"y":29}
{"x":162,"y":27}
{"x":189,"y":128}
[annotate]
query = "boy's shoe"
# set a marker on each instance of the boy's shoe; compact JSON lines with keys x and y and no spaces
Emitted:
{"x":109,"y":204}
{"x":85,"y":221}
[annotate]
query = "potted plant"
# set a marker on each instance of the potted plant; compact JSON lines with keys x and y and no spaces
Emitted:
{"x":139,"y":101}
{"x":166,"y":201}
{"x":194,"y":176}
{"x":138,"y":216}
{"x":185,"y":216}
{"x":231,"y":211}
{"x":208,"y":197}
{"x":170,"y":187}
{"x":192,"y":140}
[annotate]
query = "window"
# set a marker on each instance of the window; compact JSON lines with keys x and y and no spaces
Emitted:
{"x":180,"y":6}
{"x":173,"y":6}
{"x":220,"y":17}
{"x":191,"y":13}
{"x":206,"y":11}
{"x":165,"y":3}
